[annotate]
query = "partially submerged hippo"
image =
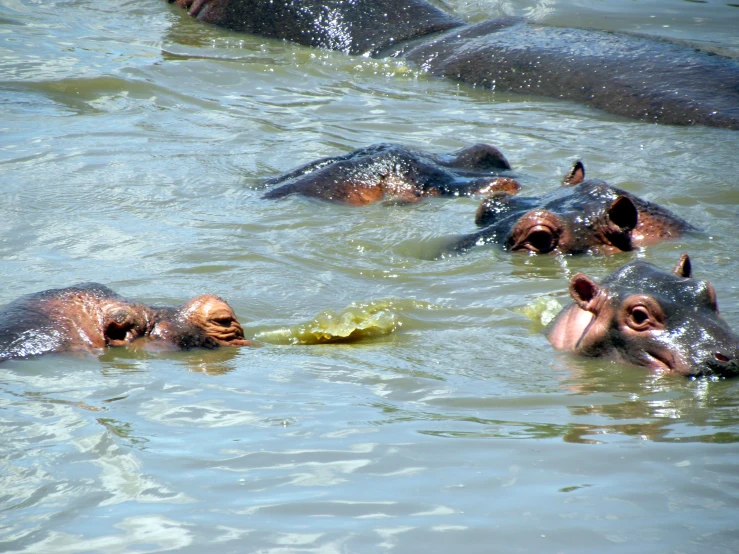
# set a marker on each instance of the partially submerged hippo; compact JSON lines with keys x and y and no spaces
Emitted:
{"x":89,"y":317}
{"x":634,"y":76}
{"x":585,"y":217}
{"x":642,"y":315}
{"x":394,"y":172}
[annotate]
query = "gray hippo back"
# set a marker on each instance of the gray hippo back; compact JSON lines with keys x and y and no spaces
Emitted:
{"x":629,"y":75}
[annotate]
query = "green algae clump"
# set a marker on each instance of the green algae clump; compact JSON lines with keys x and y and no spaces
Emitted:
{"x":358,"y":321}
{"x":542,"y":310}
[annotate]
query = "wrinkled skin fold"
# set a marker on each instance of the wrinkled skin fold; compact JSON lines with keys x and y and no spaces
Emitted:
{"x":583,"y":217}
{"x":396,"y":173}
{"x":642,"y":315}
{"x":90,"y":317}
{"x":634,"y":76}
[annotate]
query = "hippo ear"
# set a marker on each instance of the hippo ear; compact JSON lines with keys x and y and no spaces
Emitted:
{"x":683,"y":268}
{"x":120,"y":327}
{"x":575,"y":176}
{"x":584,"y":292}
{"x":623,"y":213}
{"x":481,"y":157}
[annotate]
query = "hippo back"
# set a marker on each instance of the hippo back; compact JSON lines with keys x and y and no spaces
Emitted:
{"x":34,"y":324}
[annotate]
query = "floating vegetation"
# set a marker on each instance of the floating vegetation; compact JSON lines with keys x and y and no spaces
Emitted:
{"x":358,"y":321}
{"x":542,"y":310}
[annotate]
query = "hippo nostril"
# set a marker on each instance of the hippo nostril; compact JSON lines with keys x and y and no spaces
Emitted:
{"x":721,"y":358}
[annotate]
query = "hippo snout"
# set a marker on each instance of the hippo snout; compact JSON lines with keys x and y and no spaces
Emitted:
{"x":720,"y":360}
{"x":717,"y":355}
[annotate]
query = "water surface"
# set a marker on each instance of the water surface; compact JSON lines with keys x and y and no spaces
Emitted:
{"x":133,"y":142}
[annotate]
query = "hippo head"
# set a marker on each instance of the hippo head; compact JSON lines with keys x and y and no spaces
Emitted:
{"x":644,"y":316}
{"x":590,"y":217}
{"x":205,"y":321}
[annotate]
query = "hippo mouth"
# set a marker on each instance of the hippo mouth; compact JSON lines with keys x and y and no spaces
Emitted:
{"x":661,"y":361}
{"x":719,"y":365}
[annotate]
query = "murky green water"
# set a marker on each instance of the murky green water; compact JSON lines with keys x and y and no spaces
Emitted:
{"x":132,"y":145}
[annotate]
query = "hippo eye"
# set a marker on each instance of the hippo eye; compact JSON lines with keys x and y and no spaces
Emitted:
{"x":643,"y":312}
{"x":223,"y":321}
{"x":540,"y":241}
{"x":640,"y":315}
{"x":538,"y":238}
{"x":639,"y":318}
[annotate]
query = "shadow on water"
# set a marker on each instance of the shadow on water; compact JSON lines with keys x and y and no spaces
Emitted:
{"x":118,"y":361}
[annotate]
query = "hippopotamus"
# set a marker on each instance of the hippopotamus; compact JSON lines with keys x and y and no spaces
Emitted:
{"x":585,"y":216}
{"x":644,"y":316}
{"x":397,"y":173}
{"x":89,"y":317}
{"x":640,"y":77}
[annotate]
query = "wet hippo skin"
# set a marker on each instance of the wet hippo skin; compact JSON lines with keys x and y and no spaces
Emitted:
{"x":629,"y":75}
{"x":353,"y":26}
{"x":585,"y":217}
{"x":90,"y":317}
{"x":394,"y":172}
{"x":645,"y":316}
